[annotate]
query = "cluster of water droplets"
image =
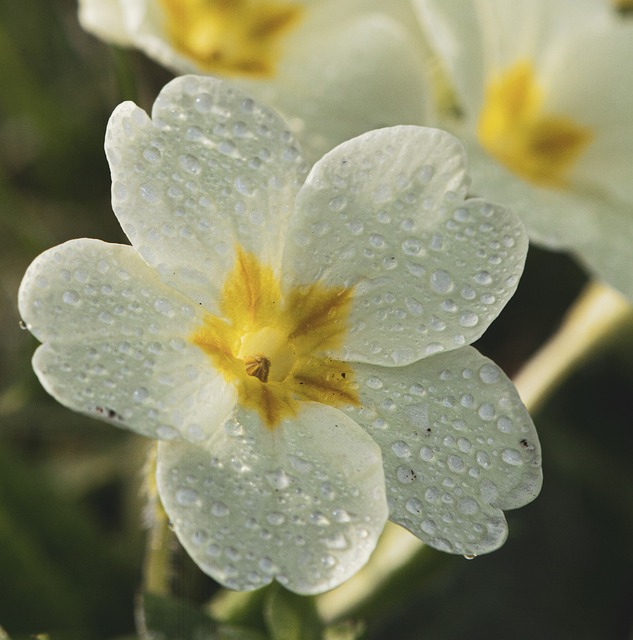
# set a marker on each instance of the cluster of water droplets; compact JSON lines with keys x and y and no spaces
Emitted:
{"x":212,"y":169}
{"x":250,"y":515}
{"x":116,"y":343}
{"x":430,"y":269}
{"x":458,"y":446}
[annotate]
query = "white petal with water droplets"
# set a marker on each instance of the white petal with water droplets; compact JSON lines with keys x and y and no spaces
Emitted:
{"x":303,"y":504}
{"x":116,"y":342}
{"x":457,"y":444}
{"x":385,"y":214}
{"x":211,"y":170}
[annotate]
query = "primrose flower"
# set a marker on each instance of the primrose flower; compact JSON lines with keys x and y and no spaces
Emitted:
{"x":335,"y":69}
{"x":297,"y":342}
{"x":546,"y":92}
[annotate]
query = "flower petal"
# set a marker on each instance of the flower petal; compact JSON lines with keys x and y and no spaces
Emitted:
{"x":385,"y":213}
{"x":303,"y":504}
{"x":348,"y":76}
{"x":105,"y":19}
{"x":474,"y":39}
{"x":116,"y":342}
{"x":592,"y":81}
{"x":457,"y":444}
{"x":211,"y":171}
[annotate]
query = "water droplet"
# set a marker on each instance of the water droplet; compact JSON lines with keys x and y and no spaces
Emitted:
{"x":470,"y":556}
{"x":152,"y":154}
{"x":319,"y":519}
{"x":190,"y":163}
{"x":468,"y":319}
{"x":199,"y":537}
{"x":511,"y":456}
{"x":165,"y":432}
{"x":487,"y":411}
{"x":268,"y":566}
{"x":376,"y":240}
{"x":414,"y":506}
{"x":483,"y":278}
{"x":278,"y":479}
{"x":70,"y":297}
{"x":467,"y":506}
{"x":186,"y":497}
{"x":337,"y":541}
{"x":505,"y":424}
{"x":23,"y":325}
{"x":405,"y":475}
{"x":489,"y":374}
{"x":483,"y":460}
{"x":455,"y":464}
{"x":428,"y":526}
{"x":401,"y":449}
{"x":149,"y":192}
{"x":276,"y":519}
{"x":441,"y":281}
{"x":219,"y":509}
{"x":374,"y":382}
{"x":140,"y":394}
{"x":203,"y":102}
{"x":338,"y":203}
{"x":341,"y":516}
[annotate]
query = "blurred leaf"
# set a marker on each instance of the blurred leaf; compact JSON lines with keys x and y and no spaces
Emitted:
{"x":49,"y":547}
{"x":170,"y":619}
{"x":291,"y":617}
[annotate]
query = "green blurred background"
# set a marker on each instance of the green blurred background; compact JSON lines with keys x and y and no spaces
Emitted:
{"x":71,"y":504}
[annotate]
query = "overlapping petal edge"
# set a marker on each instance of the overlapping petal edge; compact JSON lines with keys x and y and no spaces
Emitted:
{"x":440,"y":438}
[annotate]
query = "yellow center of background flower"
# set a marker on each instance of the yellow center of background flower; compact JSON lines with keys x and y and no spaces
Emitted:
{"x":512,"y":127}
{"x":230,"y":37}
{"x":273,"y":347}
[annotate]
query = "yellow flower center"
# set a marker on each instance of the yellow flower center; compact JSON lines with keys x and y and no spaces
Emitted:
{"x":273,"y":347}
{"x":232,"y":37}
{"x":537,"y":146}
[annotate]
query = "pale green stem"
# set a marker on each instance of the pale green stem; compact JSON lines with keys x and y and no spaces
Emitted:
{"x":594,"y":317}
{"x":156,"y":568}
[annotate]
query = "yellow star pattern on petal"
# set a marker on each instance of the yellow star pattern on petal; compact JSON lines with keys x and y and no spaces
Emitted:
{"x":274,"y":347}
{"x":537,"y":146}
{"x":230,"y":37}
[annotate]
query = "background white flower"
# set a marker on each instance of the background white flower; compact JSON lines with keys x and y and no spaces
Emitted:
{"x":334,"y":69}
{"x":235,"y":243}
{"x":546,"y":92}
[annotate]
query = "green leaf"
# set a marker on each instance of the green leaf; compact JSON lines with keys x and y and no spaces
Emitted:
{"x":170,"y":619}
{"x":291,"y":617}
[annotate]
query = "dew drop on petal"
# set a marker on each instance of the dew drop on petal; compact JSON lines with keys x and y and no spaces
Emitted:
{"x":405,"y":475}
{"x":489,"y":374}
{"x":511,"y":456}
{"x":70,"y":297}
{"x":186,"y":497}
{"x":441,"y":281}
{"x":401,"y":449}
{"x":219,"y":509}
{"x":414,"y":506}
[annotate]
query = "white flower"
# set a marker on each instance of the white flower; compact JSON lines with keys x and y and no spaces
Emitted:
{"x":335,"y":69}
{"x":546,"y":88}
{"x":296,"y":341}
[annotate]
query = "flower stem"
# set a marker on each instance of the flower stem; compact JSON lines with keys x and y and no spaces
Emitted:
{"x":156,"y":567}
{"x":594,"y":317}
